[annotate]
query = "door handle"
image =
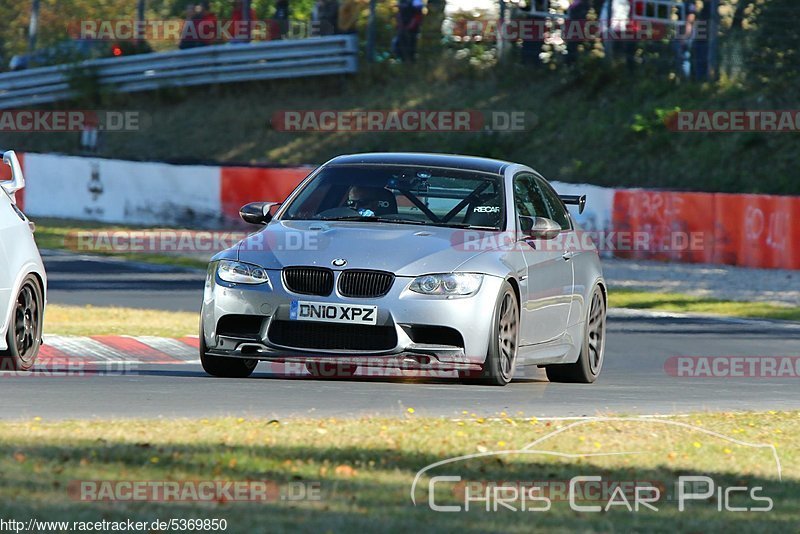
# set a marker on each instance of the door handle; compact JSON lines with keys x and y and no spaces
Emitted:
{"x":568,"y":255}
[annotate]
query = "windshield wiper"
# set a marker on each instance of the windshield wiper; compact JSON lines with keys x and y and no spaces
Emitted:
{"x":372,"y":218}
{"x":464,"y":225}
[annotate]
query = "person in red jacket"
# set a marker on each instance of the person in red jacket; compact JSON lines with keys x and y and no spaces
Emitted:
{"x":242,"y":33}
{"x":207,"y":25}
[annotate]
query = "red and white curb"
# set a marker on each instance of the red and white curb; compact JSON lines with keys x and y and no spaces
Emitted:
{"x":141,"y":350}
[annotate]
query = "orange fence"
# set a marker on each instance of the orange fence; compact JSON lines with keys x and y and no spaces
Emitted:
{"x":757,"y":231}
{"x":747,"y":230}
{"x":240,"y":185}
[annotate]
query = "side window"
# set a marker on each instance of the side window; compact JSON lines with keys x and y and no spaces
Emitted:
{"x":555,"y":208}
{"x":527,"y":197}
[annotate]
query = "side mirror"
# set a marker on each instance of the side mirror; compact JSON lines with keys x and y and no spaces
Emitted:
{"x":257,"y":212}
{"x":17,"y":181}
{"x":539,"y":227}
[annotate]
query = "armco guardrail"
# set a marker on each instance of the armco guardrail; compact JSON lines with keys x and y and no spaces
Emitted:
{"x":198,"y":66}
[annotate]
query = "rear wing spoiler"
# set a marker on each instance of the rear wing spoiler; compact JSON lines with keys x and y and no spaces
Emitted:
{"x":576,"y":200}
{"x":17,"y":180}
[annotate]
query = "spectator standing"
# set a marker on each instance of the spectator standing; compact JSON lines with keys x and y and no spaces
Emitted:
{"x":701,"y":68}
{"x":620,"y":27}
{"x":207,"y":25}
{"x":349,"y":11}
{"x":281,"y":18}
{"x":684,"y":38}
{"x":243,"y":33}
{"x":409,"y":22}
{"x":326,"y":15}
{"x":189,"y":34}
{"x":577,"y":12}
{"x":533,"y":41}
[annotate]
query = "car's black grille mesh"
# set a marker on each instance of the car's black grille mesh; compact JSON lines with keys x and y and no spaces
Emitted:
{"x":308,"y":280}
{"x":365,"y":284}
{"x":331,"y":336}
{"x":240,"y":326}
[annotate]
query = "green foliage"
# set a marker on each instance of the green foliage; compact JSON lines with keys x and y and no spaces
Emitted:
{"x":658,"y":119}
{"x":299,"y":9}
{"x":58,"y":20}
{"x":775,"y":57}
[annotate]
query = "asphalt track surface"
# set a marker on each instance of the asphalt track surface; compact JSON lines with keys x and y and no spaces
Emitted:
{"x":634,"y":379}
{"x":79,"y":280}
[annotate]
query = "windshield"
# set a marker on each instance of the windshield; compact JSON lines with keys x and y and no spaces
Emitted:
{"x":405,"y":195}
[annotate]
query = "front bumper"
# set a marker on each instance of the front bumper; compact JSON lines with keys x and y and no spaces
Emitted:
{"x":400,"y":309}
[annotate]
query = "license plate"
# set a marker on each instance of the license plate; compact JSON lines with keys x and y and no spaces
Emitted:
{"x":329,"y":312}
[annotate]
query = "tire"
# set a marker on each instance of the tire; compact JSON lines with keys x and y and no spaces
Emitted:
{"x":24,"y":336}
{"x":590,"y":361}
{"x":501,"y":356}
{"x":222,"y":366}
{"x":331,"y":369}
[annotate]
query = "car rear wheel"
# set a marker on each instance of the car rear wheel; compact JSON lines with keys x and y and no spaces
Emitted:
{"x":590,"y":362}
{"x":222,"y":366}
{"x":331,"y":369}
{"x":501,"y":358}
{"x":24,"y":336}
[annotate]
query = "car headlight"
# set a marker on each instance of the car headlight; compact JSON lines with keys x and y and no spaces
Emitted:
{"x":449,"y":284}
{"x":237,"y":272}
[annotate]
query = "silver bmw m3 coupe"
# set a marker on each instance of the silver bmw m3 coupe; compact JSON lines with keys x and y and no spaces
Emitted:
{"x":412,"y":261}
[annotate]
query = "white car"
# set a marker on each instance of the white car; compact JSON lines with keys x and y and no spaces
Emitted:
{"x":23,"y":282}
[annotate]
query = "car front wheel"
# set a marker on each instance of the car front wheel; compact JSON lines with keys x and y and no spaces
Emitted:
{"x":222,"y":366}
{"x":501,"y":358}
{"x":24,"y":334}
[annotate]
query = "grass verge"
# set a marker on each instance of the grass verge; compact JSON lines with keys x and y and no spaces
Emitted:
{"x":100,"y":321}
{"x":677,"y":302}
{"x":351,"y":475}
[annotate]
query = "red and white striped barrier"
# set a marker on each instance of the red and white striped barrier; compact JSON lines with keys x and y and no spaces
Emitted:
{"x":142,"y":350}
{"x":736,"y":229}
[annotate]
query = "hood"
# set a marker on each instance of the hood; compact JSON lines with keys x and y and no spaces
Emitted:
{"x":403,"y":249}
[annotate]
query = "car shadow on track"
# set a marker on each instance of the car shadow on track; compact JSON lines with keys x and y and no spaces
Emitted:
{"x":177,"y":371}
